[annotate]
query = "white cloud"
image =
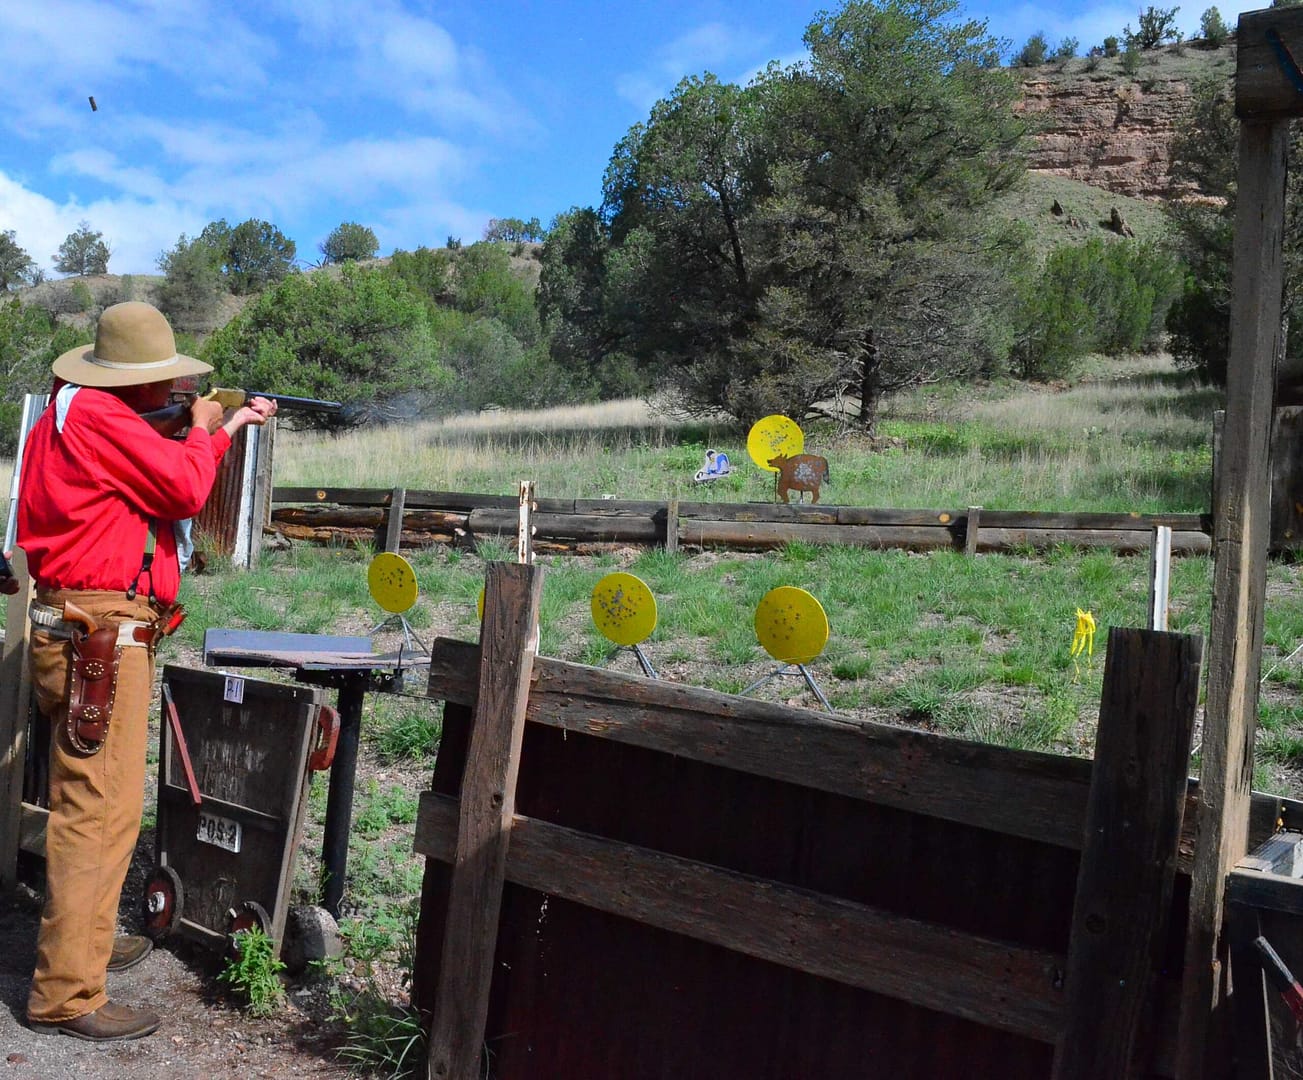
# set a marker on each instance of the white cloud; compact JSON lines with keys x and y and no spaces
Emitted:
{"x":710,"y":47}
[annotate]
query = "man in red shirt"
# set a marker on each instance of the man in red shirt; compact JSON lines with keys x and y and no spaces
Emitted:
{"x":100,"y":493}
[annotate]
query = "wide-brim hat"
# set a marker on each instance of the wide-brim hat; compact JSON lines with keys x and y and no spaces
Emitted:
{"x":134,"y":345}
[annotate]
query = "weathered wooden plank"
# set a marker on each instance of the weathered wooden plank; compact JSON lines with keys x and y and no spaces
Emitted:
{"x":1000,"y":985}
{"x":260,"y":515}
{"x":1019,"y":792}
{"x":1128,"y":864}
{"x":1242,"y":520}
{"x":394,"y":519}
{"x":488,"y":802}
{"x":364,"y":517}
{"x":1264,"y":84}
{"x":1265,"y":891}
{"x":15,"y":699}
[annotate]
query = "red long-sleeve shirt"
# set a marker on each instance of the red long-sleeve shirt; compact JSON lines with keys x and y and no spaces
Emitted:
{"x":90,"y":491}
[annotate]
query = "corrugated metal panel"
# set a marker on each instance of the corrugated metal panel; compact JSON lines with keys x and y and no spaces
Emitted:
{"x":220,"y":517}
{"x":578,"y":993}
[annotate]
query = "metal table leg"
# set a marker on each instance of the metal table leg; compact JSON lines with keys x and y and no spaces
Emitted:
{"x":339,"y":802}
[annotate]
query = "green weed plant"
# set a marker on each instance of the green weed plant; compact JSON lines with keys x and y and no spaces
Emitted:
{"x":253,"y":972}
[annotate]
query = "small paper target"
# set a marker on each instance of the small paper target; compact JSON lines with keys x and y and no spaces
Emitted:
{"x":791,"y":625}
{"x":624,"y":609}
{"x":392,"y":582}
{"x":774,"y":435}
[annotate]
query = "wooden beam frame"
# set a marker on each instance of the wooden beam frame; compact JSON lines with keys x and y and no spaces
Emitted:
{"x":488,"y":800}
{"x":1242,"y":526}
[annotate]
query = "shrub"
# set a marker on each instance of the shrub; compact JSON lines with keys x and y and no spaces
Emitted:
{"x":253,"y":973}
{"x":1110,"y":46}
{"x":1096,"y":297}
{"x":1066,"y":50}
{"x":1131,"y":58}
{"x":1033,"y":53}
{"x":1157,"y":25}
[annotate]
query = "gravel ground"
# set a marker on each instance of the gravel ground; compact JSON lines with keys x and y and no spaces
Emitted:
{"x":203,"y":1035}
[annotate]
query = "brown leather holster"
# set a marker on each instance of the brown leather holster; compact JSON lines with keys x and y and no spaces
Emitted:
{"x":94,"y":680}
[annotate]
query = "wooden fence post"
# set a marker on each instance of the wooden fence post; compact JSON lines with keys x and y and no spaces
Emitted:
{"x":971,"y":524}
{"x":1128,"y":864}
{"x":15,"y":696}
{"x":394,"y":519}
{"x":1160,"y":577}
{"x":672,"y":527}
{"x":488,"y":802}
{"x":1241,"y":524}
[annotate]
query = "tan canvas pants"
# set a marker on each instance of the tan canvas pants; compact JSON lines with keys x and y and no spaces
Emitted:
{"x":95,"y":806}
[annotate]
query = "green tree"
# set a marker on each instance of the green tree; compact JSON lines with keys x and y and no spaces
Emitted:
{"x":250,"y":256}
{"x":1034,"y":52}
{"x":819,"y":232}
{"x":483,"y":285}
{"x":1110,"y":46}
{"x":1213,"y":29}
{"x":1066,"y":49}
{"x":349,"y":242}
{"x":426,"y":271}
{"x":82,"y":252}
{"x":515,"y":229}
{"x":16,"y":266}
{"x":192,"y":289}
{"x":362,"y":338}
{"x":30,"y":339}
{"x":1157,"y":26}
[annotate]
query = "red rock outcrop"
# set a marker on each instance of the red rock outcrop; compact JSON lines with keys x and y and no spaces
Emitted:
{"x":1113,"y":131}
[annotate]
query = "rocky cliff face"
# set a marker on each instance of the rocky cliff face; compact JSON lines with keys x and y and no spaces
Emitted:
{"x":1115,"y":131}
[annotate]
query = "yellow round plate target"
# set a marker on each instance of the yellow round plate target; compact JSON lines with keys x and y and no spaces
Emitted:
{"x":774,"y":435}
{"x":791,"y":625}
{"x":392,"y":582}
{"x":624,"y":609}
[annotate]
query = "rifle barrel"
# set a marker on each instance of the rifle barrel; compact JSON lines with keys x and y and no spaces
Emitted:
{"x":288,"y":402}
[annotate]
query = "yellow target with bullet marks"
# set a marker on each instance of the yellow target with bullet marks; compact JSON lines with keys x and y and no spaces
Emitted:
{"x":392,"y":582}
{"x":791,"y":625}
{"x":624,"y":609}
{"x":774,"y":435}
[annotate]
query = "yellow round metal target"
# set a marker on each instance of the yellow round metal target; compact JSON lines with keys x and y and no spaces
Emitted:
{"x":791,"y":625}
{"x":392,"y":582}
{"x":774,"y":435}
{"x":624,"y":609}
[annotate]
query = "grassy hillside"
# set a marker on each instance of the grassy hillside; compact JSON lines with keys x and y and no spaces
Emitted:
{"x":1086,"y":212}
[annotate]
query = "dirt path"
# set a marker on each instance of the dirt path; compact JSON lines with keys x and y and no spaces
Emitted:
{"x":202,"y":1034}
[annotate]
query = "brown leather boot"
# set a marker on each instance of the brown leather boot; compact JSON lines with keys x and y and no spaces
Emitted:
{"x":108,"y":1023}
{"x":128,"y":951}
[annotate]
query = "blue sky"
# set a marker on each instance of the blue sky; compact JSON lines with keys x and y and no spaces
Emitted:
{"x":419,"y":120}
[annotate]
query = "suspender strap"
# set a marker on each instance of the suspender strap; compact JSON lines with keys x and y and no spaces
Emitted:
{"x":146,"y":564}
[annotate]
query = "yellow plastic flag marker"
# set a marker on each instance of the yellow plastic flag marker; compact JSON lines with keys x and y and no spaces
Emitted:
{"x":1083,"y":640}
{"x":624,"y":609}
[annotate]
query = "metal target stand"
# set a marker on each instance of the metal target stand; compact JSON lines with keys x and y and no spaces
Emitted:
{"x":792,"y":669}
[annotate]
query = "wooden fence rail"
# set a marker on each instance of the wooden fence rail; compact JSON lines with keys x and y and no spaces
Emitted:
{"x":424,"y":517}
{"x":916,"y":869}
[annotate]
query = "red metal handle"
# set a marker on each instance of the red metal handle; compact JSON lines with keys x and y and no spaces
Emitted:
{"x":327,"y":738}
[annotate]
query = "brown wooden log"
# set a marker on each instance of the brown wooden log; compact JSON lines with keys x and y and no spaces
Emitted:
{"x":362,"y":517}
{"x":765,"y":535}
{"x":1051,"y":519}
{"x":624,"y":528}
{"x":1128,"y":864}
{"x":995,"y":984}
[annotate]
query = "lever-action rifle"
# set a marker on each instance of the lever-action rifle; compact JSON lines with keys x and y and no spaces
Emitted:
{"x":171,"y":419}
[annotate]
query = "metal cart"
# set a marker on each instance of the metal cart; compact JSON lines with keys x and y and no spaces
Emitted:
{"x":234,"y":769}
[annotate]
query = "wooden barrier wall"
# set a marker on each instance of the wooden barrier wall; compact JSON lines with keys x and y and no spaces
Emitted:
{"x":693,"y":884}
{"x":399,"y":516}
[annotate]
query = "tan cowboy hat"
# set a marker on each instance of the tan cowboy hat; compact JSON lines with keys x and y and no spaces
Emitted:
{"x":133,"y":345}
